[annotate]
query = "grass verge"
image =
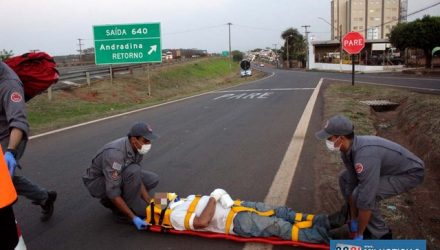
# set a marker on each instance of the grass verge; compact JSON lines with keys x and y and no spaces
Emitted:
{"x":416,"y":125}
{"x":130,"y":92}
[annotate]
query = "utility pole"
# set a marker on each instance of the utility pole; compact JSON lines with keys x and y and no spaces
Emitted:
{"x":230,"y":53}
{"x":287,"y":50}
{"x":276,"y":54}
{"x":80,"y":48}
{"x":307,"y":43}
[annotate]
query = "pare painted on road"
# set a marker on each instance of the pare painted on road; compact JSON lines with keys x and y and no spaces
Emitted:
{"x":245,"y":96}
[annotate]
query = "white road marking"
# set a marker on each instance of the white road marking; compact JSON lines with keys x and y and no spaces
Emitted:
{"x":255,"y":90}
{"x":278,"y":192}
{"x":142,"y":109}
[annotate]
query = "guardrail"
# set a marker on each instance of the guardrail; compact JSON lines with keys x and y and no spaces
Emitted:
{"x":76,"y":77}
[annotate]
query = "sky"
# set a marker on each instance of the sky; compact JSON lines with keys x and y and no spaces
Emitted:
{"x":54,"y":26}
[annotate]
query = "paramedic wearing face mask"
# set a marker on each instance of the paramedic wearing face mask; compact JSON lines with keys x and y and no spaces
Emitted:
{"x":376,"y":169}
{"x":116,"y":178}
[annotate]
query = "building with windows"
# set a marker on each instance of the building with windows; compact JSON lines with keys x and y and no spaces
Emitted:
{"x":372,"y":18}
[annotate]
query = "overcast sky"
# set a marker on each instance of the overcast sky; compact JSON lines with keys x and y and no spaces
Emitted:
{"x":54,"y":26}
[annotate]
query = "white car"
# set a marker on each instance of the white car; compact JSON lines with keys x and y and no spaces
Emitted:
{"x":261,"y":64}
{"x":244,"y":73}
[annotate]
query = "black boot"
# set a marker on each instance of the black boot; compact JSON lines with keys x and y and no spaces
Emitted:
{"x":339,"y":218}
{"x":47,"y":207}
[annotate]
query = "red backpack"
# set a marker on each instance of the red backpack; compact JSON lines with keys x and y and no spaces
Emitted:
{"x":36,"y":70}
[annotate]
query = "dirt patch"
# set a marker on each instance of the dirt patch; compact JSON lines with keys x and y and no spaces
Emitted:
{"x":413,"y":215}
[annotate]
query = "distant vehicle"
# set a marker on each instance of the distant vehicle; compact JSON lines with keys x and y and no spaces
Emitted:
{"x":261,"y":64}
{"x":245,"y":66}
{"x":245,"y":73}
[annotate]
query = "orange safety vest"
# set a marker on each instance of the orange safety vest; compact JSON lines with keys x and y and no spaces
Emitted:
{"x":8,"y":195}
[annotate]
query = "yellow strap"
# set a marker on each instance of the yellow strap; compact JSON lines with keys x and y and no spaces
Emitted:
{"x":299,"y":217}
{"x":298,"y":226}
{"x":304,"y":224}
{"x":229,"y":221}
{"x":191,"y":209}
{"x":237,"y":208}
{"x":295,"y":233}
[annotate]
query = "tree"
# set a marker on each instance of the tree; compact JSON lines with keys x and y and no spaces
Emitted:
{"x":4,"y":54}
{"x":237,"y":56}
{"x":297,"y":45}
{"x":422,"y":34}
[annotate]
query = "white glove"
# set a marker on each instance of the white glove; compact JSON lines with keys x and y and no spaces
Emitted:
{"x":217,"y":193}
{"x":226,"y":201}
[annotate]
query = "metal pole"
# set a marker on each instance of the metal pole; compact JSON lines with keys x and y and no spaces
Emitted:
{"x":287,"y":57}
{"x":340,"y":48}
{"x":276,"y":54}
{"x":111,"y":74}
{"x":307,"y":44}
{"x":148,"y":79}
{"x":230,"y":53}
{"x":352,"y":70}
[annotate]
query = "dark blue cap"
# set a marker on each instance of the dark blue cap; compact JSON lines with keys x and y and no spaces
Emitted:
{"x":142,"y":129}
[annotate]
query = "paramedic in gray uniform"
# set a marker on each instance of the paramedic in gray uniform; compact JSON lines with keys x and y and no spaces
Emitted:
{"x":376,"y":169}
{"x":116,"y":178}
{"x":14,"y":132}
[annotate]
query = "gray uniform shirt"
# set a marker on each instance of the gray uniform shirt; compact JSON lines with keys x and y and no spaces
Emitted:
{"x":109,"y":162}
{"x":12,"y":109}
{"x":372,"y":157}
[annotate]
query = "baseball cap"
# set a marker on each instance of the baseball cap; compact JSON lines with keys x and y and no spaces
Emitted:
{"x":142,"y":129}
{"x":337,"y":125}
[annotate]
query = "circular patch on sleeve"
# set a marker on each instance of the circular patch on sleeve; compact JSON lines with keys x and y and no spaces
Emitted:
{"x":16,"y":97}
{"x":359,"y":168}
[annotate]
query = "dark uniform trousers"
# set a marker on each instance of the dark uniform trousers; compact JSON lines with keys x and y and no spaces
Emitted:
{"x":132,"y":177}
{"x":22,"y":185}
{"x":389,"y":186}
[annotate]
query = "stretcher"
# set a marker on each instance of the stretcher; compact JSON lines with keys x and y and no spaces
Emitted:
{"x":211,"y":235}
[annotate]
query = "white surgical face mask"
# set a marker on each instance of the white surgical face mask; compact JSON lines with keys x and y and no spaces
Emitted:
{"x":331,"y":146}
{"x":144,"y":149}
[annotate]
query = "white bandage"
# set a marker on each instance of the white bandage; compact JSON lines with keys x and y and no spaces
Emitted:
{"x":226,"y":201}
{"x":217,"y":193}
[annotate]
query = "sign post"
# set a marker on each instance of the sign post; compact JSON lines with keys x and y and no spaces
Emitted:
{"x":353,"y":43}
{"x":127,"y":43}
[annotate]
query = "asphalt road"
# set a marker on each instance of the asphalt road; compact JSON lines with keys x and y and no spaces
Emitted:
{"x":234,"y":139}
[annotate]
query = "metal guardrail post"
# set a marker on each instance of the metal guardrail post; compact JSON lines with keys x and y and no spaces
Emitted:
{"x":49,"y":93}
{"x":148,"y":80}
{"x":111,"y":74}
{"x":88,"y":78}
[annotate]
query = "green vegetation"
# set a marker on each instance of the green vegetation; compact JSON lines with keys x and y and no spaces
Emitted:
{"x":421,"y":33}
{"x":129,"y":92}
{"x":295,"y":43}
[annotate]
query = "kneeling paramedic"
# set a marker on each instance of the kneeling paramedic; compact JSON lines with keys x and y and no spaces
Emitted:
{"x":219,"y":213}
{"x":376,"y":169}
{"x":115,"y":176}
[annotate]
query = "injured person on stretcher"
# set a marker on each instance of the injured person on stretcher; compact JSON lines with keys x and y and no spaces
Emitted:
{"x":220,"y":214}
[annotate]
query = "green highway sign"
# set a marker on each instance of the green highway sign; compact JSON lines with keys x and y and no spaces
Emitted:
{"x":225,"y":53}
{"x":127,"y":43}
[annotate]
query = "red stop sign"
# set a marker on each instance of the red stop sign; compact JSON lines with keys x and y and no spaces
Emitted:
{"x":353,"y":42}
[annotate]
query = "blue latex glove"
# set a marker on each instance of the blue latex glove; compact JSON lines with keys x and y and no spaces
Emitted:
{"x":139,"y":223}
{"x":358,"y":237}
{"x":11,"y":162}
{"x":354,"y":226}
